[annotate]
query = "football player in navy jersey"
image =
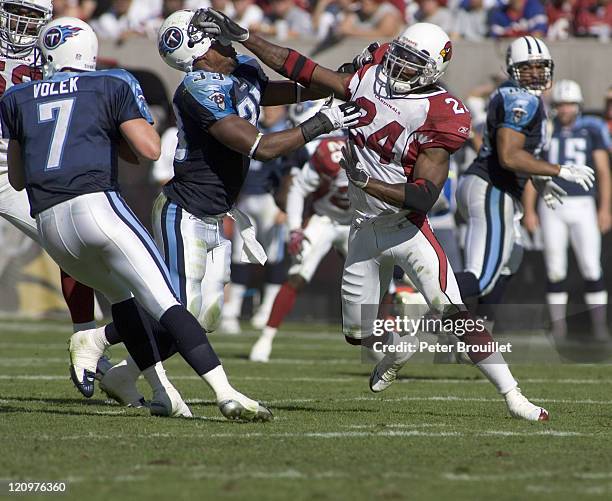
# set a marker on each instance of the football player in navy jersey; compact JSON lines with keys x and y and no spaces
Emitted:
{"x":489,"y":195}
{"x":20,"y":24}
{"x":583,"y":216}
{"x":217,"y":108}
{"x":65,"y":135}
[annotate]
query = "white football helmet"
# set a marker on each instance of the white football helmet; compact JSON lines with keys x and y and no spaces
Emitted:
{"x":67,"y":43}
{"x":417,"y":58}
{"x":566,"y":91}
{"x":180,"y":42}
{"x":529,"y":51}
{"x":20,"y":25}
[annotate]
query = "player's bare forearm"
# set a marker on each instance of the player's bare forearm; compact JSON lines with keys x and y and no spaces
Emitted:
{"x":287,"y":92}
{"x":15,"y":167}
{"x":298,"y":68}
{"x":513,"y":157}
{"x":530,"y":196}
{"x":276,"y":144}
{"x":393,"y":194}
{"x":604,"y":179}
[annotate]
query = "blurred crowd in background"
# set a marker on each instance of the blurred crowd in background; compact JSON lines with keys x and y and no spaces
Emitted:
{"x":329,"y":21}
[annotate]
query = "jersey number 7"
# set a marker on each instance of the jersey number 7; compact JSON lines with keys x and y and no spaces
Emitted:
{"x":59,"y":112}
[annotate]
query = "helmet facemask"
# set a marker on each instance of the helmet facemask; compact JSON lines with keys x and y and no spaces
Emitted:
{"x":539,"y":80}
{"x":20,"y":24}
{"x":408,"y":69}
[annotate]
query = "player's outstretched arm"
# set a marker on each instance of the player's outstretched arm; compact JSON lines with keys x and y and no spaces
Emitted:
{"x":513,"y":157}
{"x":279,"y":92}
{"x":15,"y":166}
{"x":287,"y":62}
{"x":242,"y":136}
{"x":430,"y":173}
{"x":142,"y":138}
{"x":601,"y":158}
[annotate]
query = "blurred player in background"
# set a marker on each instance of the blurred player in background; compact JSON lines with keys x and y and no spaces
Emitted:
{"x":20,"y":24}
{"x":257,"y":200}
{"x":328,"y":227}
{"x":397,"y":164}
{"x":489,"y":194}
{"x":583,"y":217}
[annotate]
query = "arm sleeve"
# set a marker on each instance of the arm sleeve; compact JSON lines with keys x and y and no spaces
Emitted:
{"x":129,"y":101}
{"x":305,"y":182}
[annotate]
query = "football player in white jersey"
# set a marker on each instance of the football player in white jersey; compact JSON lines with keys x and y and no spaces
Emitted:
{"x":20,"y":24}
{"x":397,"y":162}
{"x":322,"y":177}
{"x":582,"y":217}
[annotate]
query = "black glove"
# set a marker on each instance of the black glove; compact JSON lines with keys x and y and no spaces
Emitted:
{"x":354,"y":170}
{"x":220,"y":26}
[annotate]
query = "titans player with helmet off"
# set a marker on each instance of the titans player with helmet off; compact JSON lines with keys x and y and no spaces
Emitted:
{"x":328,"y":227}
{"x":582,"y":217}
{"x":397,"y":163}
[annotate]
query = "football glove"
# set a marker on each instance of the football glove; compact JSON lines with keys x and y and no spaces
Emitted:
{"x":354,"y":170}
{"x":551,"y":192}
{"x":296,"y":240}
{"x":361,"y":59}
{"x":579,"y":174}
{"x":220,"y":26}
{"x":330,"y":119}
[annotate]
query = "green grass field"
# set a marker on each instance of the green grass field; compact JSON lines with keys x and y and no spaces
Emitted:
{"x":441,"y":432}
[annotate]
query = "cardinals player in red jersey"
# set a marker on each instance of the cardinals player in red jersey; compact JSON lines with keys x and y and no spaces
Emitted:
{"x":322,"y":178}
{"x":397,"y":162}
{"x":20,"y":24}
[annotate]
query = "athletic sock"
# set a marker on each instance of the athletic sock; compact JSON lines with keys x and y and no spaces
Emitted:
{"x":233,"y":306}
{"x":156,"y":377}
{"x":99,"y":338}
{"x":557,"y":309}
{"x":495,"y":368}
{"x":191,"y":340}
{"x":112,"y":334}
{"x":270,"y":293}
{"x":283,"y":304}
{"x":80,"y":301}
{"x":268,"y":333}
{"x":134,"y":333}
{"x":598,"y":302}
{"x":218,"y":382}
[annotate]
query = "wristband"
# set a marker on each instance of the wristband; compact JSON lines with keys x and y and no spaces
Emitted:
{"x":255,"y":145}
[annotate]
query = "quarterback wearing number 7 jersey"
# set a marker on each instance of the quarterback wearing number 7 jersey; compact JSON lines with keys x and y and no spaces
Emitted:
{"x":397,"y":163}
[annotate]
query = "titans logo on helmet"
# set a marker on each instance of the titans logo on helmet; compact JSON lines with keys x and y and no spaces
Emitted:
{"x":171,"y":40}
{"x":57,"y":35}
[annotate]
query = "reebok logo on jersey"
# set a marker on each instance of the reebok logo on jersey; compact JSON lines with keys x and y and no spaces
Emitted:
{"x":219,"y":99}
{"x":57,"y":35}
{"x":464,"y":130}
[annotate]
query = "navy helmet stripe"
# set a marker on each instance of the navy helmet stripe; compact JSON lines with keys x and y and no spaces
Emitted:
{"x":538,"y":44}
{"x":528,"y":44}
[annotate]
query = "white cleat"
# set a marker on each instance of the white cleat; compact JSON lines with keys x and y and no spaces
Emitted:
{"x":260,"y":352}
{"x":521,"y":408}
{"x":241,"y":407}
{"x":119,"y":385}
{"x":260,"y":319}
{"x":230,"y":325}
{"x":385,"y":371}
{"x":167,"y":402}
{"x":84,"y":356}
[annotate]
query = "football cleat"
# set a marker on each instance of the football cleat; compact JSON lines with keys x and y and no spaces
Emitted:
{"x":167,"y":402}
{"x":121,"y":387}
{"x":260,"y":352}
{"x":521,"y":408}
{"x":385,"y":371}
{"x":230,"y":326}
{"x":84,"y":356}
{"x":104,"y":364}
{"x":243,"y":408}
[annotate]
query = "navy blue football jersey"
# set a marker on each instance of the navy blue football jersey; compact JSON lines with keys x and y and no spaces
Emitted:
{"x":514,"y":108}
{"x":208,"y":176}
{"x":575,"y":145}
{"x":264,"y":177}
{"x":68,"y":129}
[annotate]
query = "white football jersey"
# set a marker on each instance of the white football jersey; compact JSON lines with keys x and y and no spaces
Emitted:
{"x":323,"y":177}
{"x":13,"y":72}
{"x":397,"y":128}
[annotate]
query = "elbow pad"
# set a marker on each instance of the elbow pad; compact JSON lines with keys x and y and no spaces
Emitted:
{"x":420,"y":196}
